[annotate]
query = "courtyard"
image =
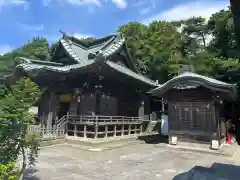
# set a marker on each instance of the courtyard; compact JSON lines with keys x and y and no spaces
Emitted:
{"x":135,"y":162}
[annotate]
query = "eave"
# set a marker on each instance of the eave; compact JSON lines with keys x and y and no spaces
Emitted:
{"x":189,"y":77}
{"x":36,"y":69}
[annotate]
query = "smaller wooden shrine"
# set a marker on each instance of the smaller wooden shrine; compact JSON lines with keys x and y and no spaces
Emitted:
{"x":197,"y":108}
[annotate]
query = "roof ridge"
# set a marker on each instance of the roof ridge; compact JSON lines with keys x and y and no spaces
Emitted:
{"x":94,"y":43}
{"x":114,"y":47}
{"x":127,"y":70}
{"x":70,"y":50}
{"x":36,"y":61}
{"x":204,"y":77}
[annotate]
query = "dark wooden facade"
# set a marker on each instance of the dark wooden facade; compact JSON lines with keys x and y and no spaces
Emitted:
{"x":105,"y":86}
{"x":194,"y":115}
{"x":197,"y":107}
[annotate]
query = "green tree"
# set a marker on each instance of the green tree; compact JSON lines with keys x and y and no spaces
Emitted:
{"x":224,"y":39}
{"x":136,"y":34}
{"x":156,"y":47}
{"x":37,"y":48}
{"x":14,"y":120}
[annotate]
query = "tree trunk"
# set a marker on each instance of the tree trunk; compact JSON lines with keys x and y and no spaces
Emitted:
{"x":24,"y":164}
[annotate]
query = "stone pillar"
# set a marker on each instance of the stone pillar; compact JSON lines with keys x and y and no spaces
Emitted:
{"x":172,"y":140}
{"x":215,"y":144}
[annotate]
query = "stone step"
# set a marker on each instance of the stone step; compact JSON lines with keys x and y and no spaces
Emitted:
{"x":151,"y":126}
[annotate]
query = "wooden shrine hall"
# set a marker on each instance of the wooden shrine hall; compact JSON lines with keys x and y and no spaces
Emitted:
{"x":87,"y":83}
{"x":197,"y":108}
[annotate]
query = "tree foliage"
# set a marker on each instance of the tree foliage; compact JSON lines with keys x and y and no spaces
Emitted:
{"x":14,"y":120}
{"x":37,"y":48}
{"x":161,"y":47}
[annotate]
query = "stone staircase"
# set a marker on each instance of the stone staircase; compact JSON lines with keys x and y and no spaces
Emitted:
{"x":150,"y":126}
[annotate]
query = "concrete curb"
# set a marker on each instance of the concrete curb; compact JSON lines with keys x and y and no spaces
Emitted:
{"x":221,"y":152}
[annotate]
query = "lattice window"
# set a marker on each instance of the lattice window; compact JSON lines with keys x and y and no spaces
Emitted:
{"x":192,"y":116}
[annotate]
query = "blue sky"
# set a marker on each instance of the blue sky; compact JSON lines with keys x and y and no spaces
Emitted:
{"x":21,"y":20}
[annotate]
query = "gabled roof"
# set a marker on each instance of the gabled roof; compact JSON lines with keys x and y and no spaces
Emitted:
{"x":190,"y":77}
{"x":31,"y":66}
{"x":106,"y":46}
{"x":85,"y":56}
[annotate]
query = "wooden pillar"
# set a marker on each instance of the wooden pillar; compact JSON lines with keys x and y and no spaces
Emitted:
{"x":141,"y":128}
{"x":96,"y":128}
{"x":122,"y":130}
{"x":106,"y":131}
{"x":75,"y":128}
{"x":50,"y":109}
{"x":115,"y":130}
{"x":85,"y":131}
{"x":135,"y":130}
{"x":129,"y":129}
{"x":66,"y":127}
{"x":98,"y":100}
{"x":54,"y":131}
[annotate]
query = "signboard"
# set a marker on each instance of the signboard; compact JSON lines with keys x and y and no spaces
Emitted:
{"x":65,"y":98}
{"x":185,"y":86}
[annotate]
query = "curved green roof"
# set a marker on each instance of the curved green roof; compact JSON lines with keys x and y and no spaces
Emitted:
{"x":99,"y":51}
{"x":190,"y":77}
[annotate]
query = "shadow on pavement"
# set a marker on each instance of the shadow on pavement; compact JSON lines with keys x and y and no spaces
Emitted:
{"x":30,"y":174}
{"x":154,"y":139}
{"x":216,"y":172}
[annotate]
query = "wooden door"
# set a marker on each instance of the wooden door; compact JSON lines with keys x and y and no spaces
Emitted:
{"x":192,"y":116}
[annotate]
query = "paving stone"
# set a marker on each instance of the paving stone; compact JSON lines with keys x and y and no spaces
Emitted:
{"x":135,"y":162}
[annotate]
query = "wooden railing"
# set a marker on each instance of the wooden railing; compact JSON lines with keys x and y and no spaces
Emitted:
{"x":102,"y":120}
{"x":95,"y":126}
{"x":103,"y":126}
{"x":47,"y":132}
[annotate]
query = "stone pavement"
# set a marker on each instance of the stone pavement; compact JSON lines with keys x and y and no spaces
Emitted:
{"x":136,"y":162}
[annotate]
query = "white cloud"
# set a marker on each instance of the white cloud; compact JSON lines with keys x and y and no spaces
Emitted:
{"x":46,"y":2}
{"x":81,"y":35}
{"x":120,"y":3}
{"x":83,"y":2}
{"x":145,"y":10}
{"x":4,"y":48}
{"x":32,"y":27}
{"x":5,"y":3}
{"x":202,"y":8}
